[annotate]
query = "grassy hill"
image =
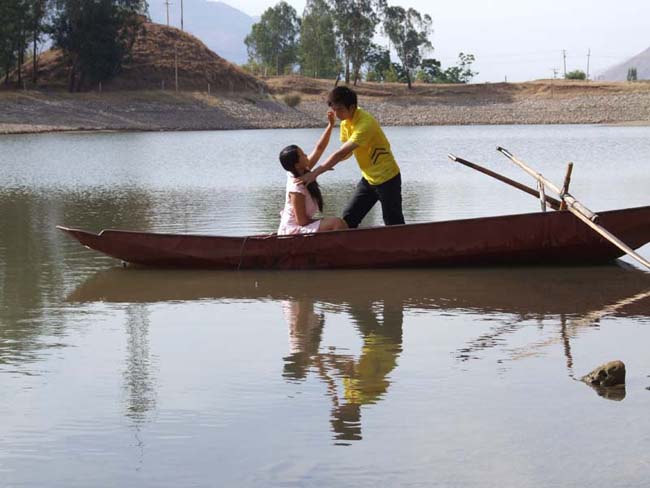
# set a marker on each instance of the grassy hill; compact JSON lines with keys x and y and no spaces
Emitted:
{"x":156,"y":53}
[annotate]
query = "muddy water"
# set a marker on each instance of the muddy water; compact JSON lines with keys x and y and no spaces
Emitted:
{"x":130,"y":377}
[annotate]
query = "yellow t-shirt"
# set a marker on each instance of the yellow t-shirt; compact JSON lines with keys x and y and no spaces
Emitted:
{"x":373,"y":155}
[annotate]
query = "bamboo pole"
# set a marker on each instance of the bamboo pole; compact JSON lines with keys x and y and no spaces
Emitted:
{"x":551,"y":202}
{"x":565,"y":185}
{"x":542,"y":195}
{"x":579,"y":210}
{"x":568,"y":198}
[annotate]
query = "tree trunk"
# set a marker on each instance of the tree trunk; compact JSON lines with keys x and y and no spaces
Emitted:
{"x":408,"y":78}
{"x":19,"y":59}
{"x":71,"y":79}
{"x":347,"y":70}
{"x":20,"y":67}
{"x":82,"y":80}
{"x":34,"y":63}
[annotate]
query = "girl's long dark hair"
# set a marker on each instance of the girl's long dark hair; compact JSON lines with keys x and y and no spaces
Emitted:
{"x":288,"y":158}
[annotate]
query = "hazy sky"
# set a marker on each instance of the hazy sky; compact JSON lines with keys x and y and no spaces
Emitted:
{"x":524,"y":40}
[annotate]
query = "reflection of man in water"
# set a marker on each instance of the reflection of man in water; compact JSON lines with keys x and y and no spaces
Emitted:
{"x":364,"y":380}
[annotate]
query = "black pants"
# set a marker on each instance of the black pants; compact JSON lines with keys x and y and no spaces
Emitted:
{"x":366,"y":195}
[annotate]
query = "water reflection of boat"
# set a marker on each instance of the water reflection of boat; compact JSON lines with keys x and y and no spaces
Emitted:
{"x":573,"y":291}
{"x":376,"y":301}
{"x":537,"y":238}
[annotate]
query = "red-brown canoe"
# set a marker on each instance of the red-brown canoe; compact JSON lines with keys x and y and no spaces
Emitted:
{"x":536,"y":238}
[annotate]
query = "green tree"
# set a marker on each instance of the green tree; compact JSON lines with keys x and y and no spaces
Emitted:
{"x":8,"y":14}
{"x":272,"y":41}
{"x":462,"y":72}
{"x":14,"y":28}
{"x":317,"y":52}
{"x":409,"y":32}
{"x":355,"y":22}
{"x":576,"y":75}
{"x":38,"y":10}
{"x":430,"y":71}
{"x":631,"y":74}
{"x":378,"y":63}
{"x":95,"y":36}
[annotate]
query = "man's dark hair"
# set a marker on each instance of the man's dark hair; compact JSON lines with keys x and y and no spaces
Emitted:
{"x":342,"y":95}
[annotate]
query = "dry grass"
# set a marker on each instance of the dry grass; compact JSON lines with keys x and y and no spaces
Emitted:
{"x":318,"y":88}
{"x":126,"y":97}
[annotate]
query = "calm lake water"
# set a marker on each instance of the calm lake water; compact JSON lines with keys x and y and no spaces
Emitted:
{"x":468,"y":377}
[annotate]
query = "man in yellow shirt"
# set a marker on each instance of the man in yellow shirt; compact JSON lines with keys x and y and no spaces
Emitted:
{"x":380,"y":176}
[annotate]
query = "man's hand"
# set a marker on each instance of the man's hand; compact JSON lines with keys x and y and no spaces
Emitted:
{"x":306,"y":179}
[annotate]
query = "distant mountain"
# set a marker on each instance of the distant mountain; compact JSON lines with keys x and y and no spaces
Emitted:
{"x":619,"y":72}
{"x":221,"y":27}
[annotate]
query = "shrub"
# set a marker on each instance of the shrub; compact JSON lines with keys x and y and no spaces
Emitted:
{"x":292,"y":99}
{"x":576,"y":75}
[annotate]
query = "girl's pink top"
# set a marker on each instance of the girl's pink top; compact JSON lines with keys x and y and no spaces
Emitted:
{"x":288,"y":222}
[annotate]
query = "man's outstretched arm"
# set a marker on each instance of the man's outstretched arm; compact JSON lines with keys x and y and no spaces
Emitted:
{"x":344,"y":152}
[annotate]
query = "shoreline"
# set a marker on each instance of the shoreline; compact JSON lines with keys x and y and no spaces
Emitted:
{"x":533,"y":103}
{"x":34,"y":130}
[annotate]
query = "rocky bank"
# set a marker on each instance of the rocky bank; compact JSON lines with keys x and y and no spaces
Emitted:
{"x":155,"y":110}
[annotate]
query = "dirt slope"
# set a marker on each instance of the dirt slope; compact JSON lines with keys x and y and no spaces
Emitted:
{"x":156,"y":52}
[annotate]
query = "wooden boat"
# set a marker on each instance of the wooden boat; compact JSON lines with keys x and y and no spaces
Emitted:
{"x":535,"y":238}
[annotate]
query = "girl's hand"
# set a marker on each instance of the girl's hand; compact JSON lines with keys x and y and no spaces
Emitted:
{"x":331,"y":117}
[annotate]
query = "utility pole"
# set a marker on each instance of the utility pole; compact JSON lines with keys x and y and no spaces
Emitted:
{"x":588,"y":56}
{"x":167,"y":4}
{"x":181,"y":14}
{"x":554,"y":70}
{"x":564,"y":56}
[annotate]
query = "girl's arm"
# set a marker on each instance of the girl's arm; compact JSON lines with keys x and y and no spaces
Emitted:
{"x":299,"y":208}
{"x":324,"y":140}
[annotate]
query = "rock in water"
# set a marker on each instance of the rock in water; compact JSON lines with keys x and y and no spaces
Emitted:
{"x":607,"y":375}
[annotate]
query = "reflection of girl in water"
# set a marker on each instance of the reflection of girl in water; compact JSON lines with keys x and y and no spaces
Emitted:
{"x":305,"y":331}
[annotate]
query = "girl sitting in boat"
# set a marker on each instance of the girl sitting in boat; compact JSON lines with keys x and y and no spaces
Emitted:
{"x":303,"y":202}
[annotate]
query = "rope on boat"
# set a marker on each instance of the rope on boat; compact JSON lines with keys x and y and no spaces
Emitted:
{"x":241,"y":253}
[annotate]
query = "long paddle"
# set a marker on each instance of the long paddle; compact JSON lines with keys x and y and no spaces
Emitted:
{"x":552,"y":202}
{"x":577,"y":209}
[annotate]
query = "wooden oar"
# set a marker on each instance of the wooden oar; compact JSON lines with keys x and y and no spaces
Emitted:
{"x":577,"y":209}
{"x":551,"y":202}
